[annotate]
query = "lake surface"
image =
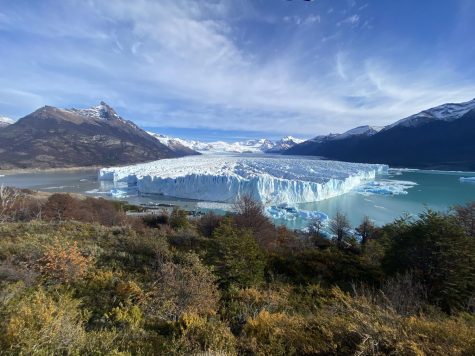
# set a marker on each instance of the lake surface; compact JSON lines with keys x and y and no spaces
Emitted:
{"x":418,"y":190}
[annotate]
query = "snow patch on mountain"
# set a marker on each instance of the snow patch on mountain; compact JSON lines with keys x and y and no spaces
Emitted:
{"x":5,"y":121}
{"x":102,"y":112}
{"x":365,"y":130}
{"x":227,"y":178}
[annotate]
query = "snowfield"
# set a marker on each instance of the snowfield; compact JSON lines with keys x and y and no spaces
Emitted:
{"x":227,"y":178}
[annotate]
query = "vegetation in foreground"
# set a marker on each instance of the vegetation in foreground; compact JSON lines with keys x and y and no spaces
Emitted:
{"x":79,"y":277}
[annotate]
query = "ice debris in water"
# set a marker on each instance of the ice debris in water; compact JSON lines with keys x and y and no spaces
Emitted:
{"x":117,"y":193}
{"x":385,"y":187}
{"x":283,"y":212}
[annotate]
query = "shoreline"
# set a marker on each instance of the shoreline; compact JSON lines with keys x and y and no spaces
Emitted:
{"x":13,"y":171}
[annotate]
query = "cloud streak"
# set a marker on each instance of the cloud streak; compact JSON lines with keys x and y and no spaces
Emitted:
{"x":196,"y":64}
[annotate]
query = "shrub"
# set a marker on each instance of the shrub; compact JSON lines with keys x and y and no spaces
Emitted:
{"x":436,"y":249}
{"x":61,"y":207}
{"x":154,"y":221}
{"x":36,"y":323}
{"x":63,"y":264}
{"x":199,"y":334}
{"x":182,"y":288}
{"x":207,"y":223}
{"x":179,"y":219}
{"x":281,"y":334}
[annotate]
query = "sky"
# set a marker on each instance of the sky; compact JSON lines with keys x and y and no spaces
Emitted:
{"x":233,"y":69}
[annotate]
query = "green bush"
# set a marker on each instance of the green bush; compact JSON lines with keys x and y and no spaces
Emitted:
{"x":236,"y":256}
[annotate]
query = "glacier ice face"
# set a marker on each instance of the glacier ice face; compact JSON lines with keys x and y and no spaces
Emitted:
{"x":270,"y":180}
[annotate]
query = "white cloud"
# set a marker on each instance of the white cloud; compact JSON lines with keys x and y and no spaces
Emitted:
{"x":180,"y":63}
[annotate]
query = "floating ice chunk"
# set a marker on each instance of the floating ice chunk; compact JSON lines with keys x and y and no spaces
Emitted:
{"x":467,"y":179}
{"x":117,"y":193}
{"x":385,"y":187}
{"x":60,"y":187}
{"x":293,"y":213}
{"x":269,"y":180}
{"x":96,"y":191}
{"x":214,"y":206}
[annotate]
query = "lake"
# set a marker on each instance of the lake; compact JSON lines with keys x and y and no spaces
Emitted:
{"x":391,"y":196}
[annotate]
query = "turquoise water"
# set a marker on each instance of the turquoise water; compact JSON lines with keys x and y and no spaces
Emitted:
{"x":435,"y":190}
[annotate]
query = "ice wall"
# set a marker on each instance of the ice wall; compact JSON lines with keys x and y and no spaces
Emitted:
{"x":226,"y":179}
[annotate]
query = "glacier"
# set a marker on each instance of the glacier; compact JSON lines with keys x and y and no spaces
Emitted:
{"x":269,"y":180}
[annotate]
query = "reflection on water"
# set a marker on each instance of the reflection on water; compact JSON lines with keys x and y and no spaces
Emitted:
{"x":435,"y":190}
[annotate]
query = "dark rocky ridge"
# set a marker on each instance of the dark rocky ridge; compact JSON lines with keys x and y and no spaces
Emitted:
{"x":431,"y":144}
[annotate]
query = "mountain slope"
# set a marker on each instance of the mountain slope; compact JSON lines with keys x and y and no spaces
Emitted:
{"x":438,"y":138}
{"x":53,"y":138}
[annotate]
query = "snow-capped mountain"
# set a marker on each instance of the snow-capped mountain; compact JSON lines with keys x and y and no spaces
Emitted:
{"x":249,"y":146}
{"x":284,"y":144}
{"x":55,"y":138}
{"x":5,"y":121}
{"x":365,"y":130}
{"x":436,"y":138}
{"x":446,"y":112}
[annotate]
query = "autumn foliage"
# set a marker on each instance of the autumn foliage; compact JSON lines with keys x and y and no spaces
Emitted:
{"x":79,"y":278}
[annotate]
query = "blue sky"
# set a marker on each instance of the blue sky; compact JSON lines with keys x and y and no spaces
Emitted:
{"x":236,"y":68}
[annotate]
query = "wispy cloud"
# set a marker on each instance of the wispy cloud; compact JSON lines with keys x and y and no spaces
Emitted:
{"x":196,"y":64}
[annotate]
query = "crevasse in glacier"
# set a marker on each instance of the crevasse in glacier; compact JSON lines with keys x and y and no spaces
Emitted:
{"x":271,"y":180}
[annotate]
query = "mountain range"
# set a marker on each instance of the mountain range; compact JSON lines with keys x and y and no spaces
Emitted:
{"x":438,"y":138}
{"x":249,"y":146}
{"x":57,"y":138}
{"x":442,"y":137}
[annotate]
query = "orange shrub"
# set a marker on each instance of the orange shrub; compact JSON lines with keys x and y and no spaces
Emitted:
{"x":63,"y":264}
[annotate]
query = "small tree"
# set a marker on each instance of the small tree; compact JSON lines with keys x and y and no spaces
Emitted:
{"x":8,"y":199}
{"x":465,"y":215}
{"x":208,"y":223}
{"x":315,"y":226}
{"x":178,"y":219}
{"x":339,"y":226}
{"x":250,"y":215}
{"x":366,"y":230}
{"x":236,"y":255}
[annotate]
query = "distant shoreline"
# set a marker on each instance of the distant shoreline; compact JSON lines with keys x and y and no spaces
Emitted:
{"x":45,"y":170}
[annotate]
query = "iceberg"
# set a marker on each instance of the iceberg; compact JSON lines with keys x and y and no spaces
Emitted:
{"x":117,"y":193}
{"x":385,"y":187}
{"x":270,"y":180}
{"x":467,"y":179}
